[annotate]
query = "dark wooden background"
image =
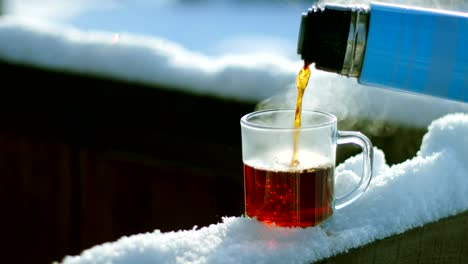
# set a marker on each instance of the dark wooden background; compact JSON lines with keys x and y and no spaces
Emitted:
{"x":85,"y":160}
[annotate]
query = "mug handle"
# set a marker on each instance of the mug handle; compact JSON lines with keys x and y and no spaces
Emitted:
{"x":357,"y":138}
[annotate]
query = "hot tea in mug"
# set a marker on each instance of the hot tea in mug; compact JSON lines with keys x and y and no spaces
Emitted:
{"x":300,"y":197}
{"x":299,"y":194}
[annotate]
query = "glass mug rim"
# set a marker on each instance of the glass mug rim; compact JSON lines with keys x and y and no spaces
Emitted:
{"x":246,"y":120}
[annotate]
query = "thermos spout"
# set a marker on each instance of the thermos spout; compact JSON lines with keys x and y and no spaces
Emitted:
{"x":334,"y":38}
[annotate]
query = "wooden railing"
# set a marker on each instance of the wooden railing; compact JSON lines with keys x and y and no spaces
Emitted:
{"x":85,"y":160}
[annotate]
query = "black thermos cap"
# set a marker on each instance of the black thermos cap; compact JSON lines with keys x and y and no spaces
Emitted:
{"x":323,"y":38}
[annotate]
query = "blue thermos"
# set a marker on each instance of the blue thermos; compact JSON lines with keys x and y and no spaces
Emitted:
{"x":407,"y":48}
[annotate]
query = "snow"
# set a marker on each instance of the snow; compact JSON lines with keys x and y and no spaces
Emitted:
{"x":212,"y":27}
{"x":430,"y":186}
{"x":141,"y":58}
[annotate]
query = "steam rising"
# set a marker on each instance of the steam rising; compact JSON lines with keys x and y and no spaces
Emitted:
{"x":363,"y":107}
{"x":368,"y":108}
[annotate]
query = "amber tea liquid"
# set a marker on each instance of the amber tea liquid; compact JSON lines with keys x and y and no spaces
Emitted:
{"x":289,"y":198}
{"x":301,"y":82}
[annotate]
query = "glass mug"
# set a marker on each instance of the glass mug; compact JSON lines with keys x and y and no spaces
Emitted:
{"x":300,"y":195}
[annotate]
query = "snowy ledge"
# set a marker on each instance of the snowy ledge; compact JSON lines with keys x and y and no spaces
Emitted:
{"x":144,"y":59}
{"x":428,"y":187}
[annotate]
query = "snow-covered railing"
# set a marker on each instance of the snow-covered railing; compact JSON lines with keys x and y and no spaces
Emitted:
{"x":428,"y":187}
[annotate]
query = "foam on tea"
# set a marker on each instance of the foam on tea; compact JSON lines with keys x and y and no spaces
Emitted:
{"x":293,"y":197}
{"x":280,"y":160}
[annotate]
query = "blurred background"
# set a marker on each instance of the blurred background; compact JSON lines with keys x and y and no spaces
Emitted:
{"x":122,"y":117}
{"x":210,"y":27}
